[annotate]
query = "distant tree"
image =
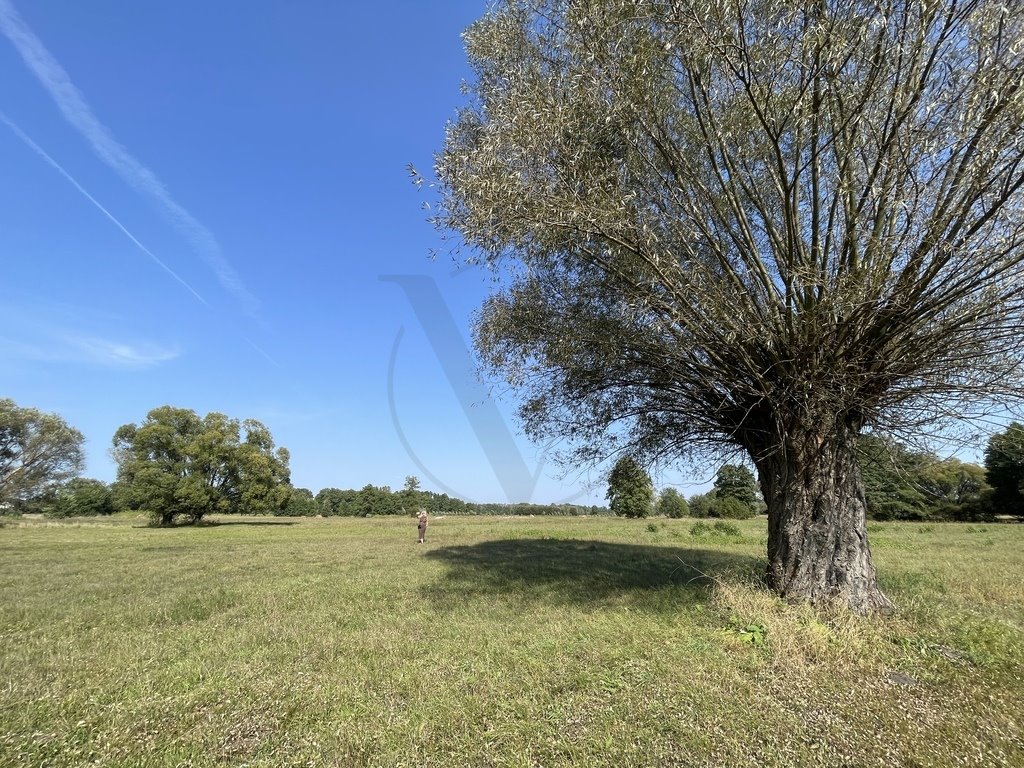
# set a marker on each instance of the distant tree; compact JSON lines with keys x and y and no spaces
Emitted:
{"x":737,"y":482}
{"x":672,"y":504}
{"x":701,"y":504}
{"x":38,"y":452}
{"x":82,"y":497}
{"x":951,"y":484}
{"x":300,"y":504}
{"x":457,"y":506}
{"x":335,"y":501}
{"x":889,"y":470}
{"x":903,"y":484}
{"x":178,"y":465}
{"x":630,"y":491}
{"x":438,"y":503}
{"x":1004,"y":469}
{"x":43,"y":504}
{"x":374,"y":500}
{"x":411,"y":498}
{"x":731,"y":508}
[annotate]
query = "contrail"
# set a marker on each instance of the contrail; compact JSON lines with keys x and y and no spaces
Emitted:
{"x":57,"y":167}
{"x":260,"y":349}
{"x":77,"y":112}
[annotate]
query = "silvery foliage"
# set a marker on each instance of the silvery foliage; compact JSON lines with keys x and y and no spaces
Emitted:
{"x":729,"y":222}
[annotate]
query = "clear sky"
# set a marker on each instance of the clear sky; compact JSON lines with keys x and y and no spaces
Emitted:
{"x":198,"y":204}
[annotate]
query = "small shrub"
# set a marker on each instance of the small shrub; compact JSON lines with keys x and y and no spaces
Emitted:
{"x":700,"y":528}
{"x":652,"y":527}
{"x":726,"y":529}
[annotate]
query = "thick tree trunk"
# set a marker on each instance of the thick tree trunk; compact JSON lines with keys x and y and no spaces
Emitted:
{"x":817,"y":535}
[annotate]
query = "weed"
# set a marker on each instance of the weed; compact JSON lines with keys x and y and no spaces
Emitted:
{"x":700,"y":528}
{"x":749,"y":632}
{"x":726,"y":529}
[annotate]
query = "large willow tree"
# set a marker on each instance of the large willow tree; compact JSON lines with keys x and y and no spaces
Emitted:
{"x":765,"y":224}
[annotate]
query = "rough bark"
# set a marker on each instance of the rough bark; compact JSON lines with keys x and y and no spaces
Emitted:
{"x":817,"y":534}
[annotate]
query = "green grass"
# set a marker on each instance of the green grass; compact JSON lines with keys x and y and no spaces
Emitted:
{"x":500,"y":642}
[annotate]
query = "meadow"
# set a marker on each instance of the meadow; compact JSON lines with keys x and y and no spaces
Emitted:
{"x":499,"y":642}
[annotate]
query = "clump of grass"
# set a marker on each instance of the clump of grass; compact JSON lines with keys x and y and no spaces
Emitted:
{"x":720,"y":528}
{"x":700,"y":528}
{"x":797,"y":636}
{"x":726,"y":529}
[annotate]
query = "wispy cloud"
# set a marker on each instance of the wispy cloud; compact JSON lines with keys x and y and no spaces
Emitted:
{"x":261,"y":351}
{"x":119,"y":354}
{"x":61,"y":334}
{"x":90,"y":350}
{"x":60,"y":169}
{"x":77,"y":112}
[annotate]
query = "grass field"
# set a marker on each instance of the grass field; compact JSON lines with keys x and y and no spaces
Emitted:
{"x":500,"y":642}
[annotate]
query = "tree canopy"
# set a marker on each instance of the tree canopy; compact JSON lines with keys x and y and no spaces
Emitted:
{"x":737,"y":481}
{"x":630,"y":491}
{"x":38,"y":452}
{"x":83,"y":497}
{"x":759,"y":225}
{"x":178,"y":465}
{"x":301,"y":503}
{"x":1004,"y":469}
{"x":671,"y":503}
{"x":903,"y":484}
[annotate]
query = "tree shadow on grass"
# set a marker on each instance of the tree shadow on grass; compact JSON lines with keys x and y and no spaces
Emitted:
{"x":201,"y":524}
{"x":583,"y":573}
{"x":243,"y":521}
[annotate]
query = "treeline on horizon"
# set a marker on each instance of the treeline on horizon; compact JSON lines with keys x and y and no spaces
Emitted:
{"x":83,"y":497}
{"x":179,"y":466}
{"x":373,"y":500}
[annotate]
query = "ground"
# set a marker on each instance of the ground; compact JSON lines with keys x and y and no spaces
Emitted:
{"x":501,"y":642}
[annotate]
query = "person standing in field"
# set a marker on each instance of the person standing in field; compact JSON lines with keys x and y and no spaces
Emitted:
{"x":422,"y":527}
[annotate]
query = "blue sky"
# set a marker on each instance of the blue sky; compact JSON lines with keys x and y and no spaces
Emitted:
{"x":198,"y":203}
